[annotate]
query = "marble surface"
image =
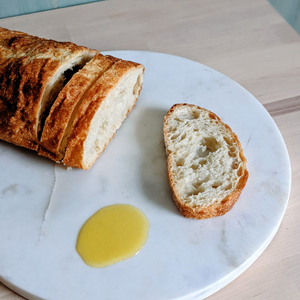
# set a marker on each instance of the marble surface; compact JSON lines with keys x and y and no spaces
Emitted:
{"x":43,"y":205}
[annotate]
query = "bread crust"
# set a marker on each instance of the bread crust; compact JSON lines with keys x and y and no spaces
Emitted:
{"x":88,"y":108}
{"x":22,"y":84}
{"x":223,"y":205}
{"x":27,"y":65}
{"x":20,"y":44}
{"x":65,"y":106}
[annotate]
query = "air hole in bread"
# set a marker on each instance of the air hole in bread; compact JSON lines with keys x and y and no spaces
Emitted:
{"x":172,"y":129}
{"x":201,"y":152}
{"x":203,"y":162}
{"x":195,"y":167}
{"x":197,"y":184}
{"x":228,"y":187}
{"x":235,"y":165}
{"x":175,"y":136}
{"x":231,"y":154}
{"x":196,"y":114}
{"x":208,"y":145}
{"x":180,"y":162}
{"x":200,"y":189}
{"x":177,"y":119}
{"x":211,"y":144}
{"x":228,"y":141}
{"x":232,"y":149}
{"x":183,"y":136}
{"x":216,"y":184}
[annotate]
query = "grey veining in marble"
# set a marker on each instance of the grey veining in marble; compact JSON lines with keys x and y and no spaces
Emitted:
{"x":43,"y":205}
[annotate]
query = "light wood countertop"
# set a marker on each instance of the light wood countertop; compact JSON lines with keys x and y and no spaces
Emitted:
{"x":247,"y":41}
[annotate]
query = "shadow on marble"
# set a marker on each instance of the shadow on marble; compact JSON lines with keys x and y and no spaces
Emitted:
{"x":24,"y":153}
{"x":153,"y":169}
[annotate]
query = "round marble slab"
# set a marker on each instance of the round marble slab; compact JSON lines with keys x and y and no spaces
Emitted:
{"x":43,"y":205}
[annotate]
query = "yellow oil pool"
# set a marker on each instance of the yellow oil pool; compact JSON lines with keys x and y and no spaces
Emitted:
{"x":112,"y":234}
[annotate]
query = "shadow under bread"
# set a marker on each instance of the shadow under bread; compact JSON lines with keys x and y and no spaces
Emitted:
{"x":154,"y":175}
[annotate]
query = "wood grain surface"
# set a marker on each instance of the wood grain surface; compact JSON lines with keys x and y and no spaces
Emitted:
{"x":247,"y":41}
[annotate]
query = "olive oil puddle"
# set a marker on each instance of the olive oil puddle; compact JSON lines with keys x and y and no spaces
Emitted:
{"x":113,"y":234}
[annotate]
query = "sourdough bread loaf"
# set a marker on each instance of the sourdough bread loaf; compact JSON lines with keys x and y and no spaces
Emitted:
{"x":62,"y":100}
{"x":206,"y":165}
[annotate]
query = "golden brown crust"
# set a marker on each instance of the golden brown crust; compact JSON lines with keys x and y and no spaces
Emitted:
{"x":66,"y":104}
{"x":213,"y":210}
{"x":22,"y":84}
{"x":224,"y":205}
{"x":20,"y":44}
{"x":89,"y":106}
{"x":27,"y":64}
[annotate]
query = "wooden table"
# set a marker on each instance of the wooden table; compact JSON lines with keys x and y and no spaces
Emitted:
{"x":246,"y":40}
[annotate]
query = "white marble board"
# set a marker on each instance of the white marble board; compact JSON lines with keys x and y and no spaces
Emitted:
{"x":43,"y":205}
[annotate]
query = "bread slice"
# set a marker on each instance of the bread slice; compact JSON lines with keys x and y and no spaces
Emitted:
{"x":59,"y":122}
{"x":206,"y":165}
{"x":33,"y":70}
{"x":102,"y":112}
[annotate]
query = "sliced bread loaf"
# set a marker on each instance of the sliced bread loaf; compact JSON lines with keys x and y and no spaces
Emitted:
{"x":62,"y":100}
{"x":102,"y":112}
{"x":206,"y":165}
